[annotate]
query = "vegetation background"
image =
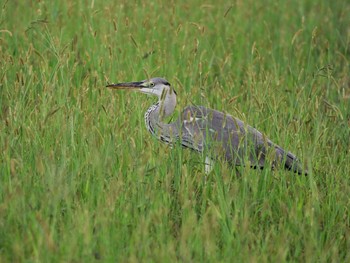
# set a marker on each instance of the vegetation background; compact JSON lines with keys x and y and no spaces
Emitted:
{"x":81,"y":180}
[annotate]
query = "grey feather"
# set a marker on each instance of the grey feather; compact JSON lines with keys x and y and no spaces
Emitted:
{"x":225,"y":136}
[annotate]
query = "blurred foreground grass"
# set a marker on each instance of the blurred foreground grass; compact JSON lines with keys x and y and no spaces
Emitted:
{"x":82,"y":180}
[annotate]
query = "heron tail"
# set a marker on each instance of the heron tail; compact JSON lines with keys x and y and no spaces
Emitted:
{"x":290,"y":161}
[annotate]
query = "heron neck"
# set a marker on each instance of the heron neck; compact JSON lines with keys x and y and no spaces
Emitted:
{"x":167,"y":103}
{"x":156,"y":126}
{"x":152,"y":118}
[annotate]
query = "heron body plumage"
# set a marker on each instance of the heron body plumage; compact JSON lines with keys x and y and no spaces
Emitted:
{"x":219,"y":135}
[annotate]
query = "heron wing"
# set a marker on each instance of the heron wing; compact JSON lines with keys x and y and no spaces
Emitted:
{"x":223,"y":135}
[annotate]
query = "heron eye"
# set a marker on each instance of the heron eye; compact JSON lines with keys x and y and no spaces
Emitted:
{"x":151,"y":84}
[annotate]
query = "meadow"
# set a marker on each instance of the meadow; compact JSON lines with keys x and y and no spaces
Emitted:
{"x":81,"y":179}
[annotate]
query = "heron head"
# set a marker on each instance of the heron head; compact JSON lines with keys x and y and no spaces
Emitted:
{"x":155,"y":86}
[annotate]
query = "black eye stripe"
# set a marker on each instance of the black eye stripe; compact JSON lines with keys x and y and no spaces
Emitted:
{"x":152,"y":84}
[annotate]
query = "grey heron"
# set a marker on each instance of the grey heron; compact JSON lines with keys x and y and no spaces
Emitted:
{"x":214,"y":133}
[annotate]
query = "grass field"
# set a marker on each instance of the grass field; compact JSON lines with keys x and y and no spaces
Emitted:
{"x":82,"y":180}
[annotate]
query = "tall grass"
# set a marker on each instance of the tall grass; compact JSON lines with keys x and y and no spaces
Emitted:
{"x":82,"y":180}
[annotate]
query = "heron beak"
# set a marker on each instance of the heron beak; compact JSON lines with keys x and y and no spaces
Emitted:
{"x":126,"y":85}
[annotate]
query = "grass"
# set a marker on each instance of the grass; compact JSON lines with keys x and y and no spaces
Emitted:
{"x":81,"y":180}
